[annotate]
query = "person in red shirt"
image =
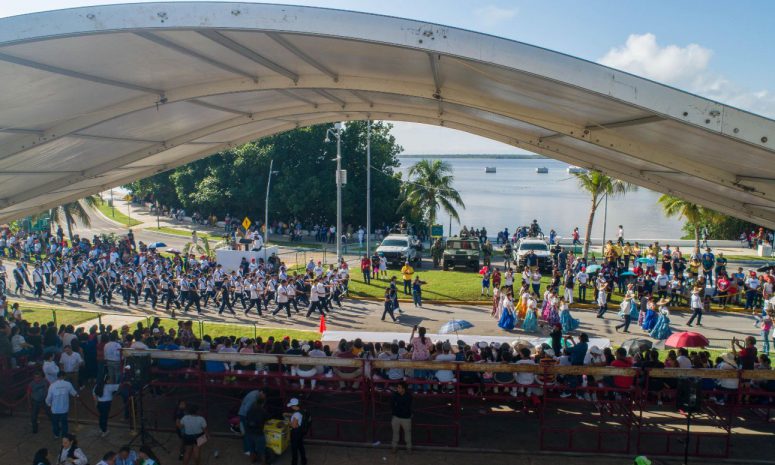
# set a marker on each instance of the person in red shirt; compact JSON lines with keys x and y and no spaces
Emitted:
{"x":366,"y":269}
{"x":622,"y":361}
{"x":496,"y":279}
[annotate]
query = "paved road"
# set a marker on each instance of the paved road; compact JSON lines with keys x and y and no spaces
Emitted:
{"x":359,"y":316}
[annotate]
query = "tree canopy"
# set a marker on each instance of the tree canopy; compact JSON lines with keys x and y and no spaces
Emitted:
{"x":234,"y":181}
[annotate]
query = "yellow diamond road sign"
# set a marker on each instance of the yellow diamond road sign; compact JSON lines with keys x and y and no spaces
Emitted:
{"x":246,"y":223}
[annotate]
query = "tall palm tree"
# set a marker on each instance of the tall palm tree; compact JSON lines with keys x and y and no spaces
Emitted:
{"x":429,"y":188}
{"x":691,"y":212}
{"x":598,"y":185}
{"x":70,"y":212}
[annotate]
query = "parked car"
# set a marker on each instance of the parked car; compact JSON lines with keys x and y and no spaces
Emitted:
{"x":396,"y":249}
{"x":462,"y":252}
{"x":536,"y":246}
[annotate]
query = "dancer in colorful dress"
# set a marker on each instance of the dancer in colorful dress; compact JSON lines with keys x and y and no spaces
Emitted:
{"x":530,"y":324}
{"x":650,"y":317}
{"x":548,"y":297}
{"x":662,"y":327}
{"x":508,"y":318}
{"x":552,"y":315}
{"x":524,"y":296}
{"x":497,"y":297}
{"x":566,"y":319}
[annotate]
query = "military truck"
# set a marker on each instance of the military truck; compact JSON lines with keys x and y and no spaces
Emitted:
{"x":462,"y":252}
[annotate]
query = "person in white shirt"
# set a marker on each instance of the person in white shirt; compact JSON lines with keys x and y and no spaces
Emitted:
{"x":683,"y":358}
{"x":445,"y":376}
{"x":696,"y":305}
{"x":50,"y":368}
{"x":58,"y":400}
{"x":71,"y":362}
{"x":112,"y":351}
{"x":282,"y":299}
{"x":582,"y":279}
{"x":103,"y":396}
{"x":71,"y":454}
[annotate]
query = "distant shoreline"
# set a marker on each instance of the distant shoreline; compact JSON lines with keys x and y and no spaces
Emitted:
{"x":477,"y":156}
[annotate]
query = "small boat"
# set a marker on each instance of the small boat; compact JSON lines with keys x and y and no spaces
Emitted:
{"x":490,"y":169}
{"x":542,"y":170}
{"x":576,"y":170}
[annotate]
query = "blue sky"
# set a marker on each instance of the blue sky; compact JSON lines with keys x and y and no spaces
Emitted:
{"x":722,"y":50}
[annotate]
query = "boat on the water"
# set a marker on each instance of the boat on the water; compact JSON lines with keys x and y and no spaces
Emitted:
{"x":490,"y":169}
{"x":576,"y":170}
{"x":542,"y":170}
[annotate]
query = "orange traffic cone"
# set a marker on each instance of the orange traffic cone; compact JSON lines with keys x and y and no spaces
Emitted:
{"x":322,"y":328}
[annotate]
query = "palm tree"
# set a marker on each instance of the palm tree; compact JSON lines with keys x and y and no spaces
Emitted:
{"x":598,"y":185}
{"x":694,"y":214}
{"x":429,"y":187}
{"x":204,"y":248}
{"x":70,"y":212}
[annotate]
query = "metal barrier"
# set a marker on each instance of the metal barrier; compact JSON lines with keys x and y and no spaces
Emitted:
{"x":351,"y":399}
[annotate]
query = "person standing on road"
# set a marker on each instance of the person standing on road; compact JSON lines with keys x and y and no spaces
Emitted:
{"x":388,"y":304}
{"x":297,"y":433}
{"x":406,"y":272}
{"x":401,"y":406}
{"x":696,"y":306}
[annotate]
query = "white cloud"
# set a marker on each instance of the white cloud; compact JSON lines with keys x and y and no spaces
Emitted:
{"x":642,"y":55}
{"x":492,"y":15}
{"x":685,"y":67}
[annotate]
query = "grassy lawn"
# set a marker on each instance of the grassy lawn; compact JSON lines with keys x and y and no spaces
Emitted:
{"x":243,"y":330}
{"x":45,"y":313}
{"x":116,"y":215}
{"x":186,"y":233}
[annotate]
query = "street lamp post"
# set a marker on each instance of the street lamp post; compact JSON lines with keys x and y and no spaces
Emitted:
{"x":368,"y":188}
{"x":266,"y":204}
{"x":337,"y":131}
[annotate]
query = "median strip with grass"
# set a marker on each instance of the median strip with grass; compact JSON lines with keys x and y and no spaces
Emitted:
{"x":115,"y":215}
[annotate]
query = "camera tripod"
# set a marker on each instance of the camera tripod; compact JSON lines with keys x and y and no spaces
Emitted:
{"x":143,"y":436}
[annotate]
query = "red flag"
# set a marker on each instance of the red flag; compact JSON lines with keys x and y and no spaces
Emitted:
{"x":322,"y":328}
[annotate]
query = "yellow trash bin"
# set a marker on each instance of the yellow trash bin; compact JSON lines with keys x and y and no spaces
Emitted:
{"x":277,"y":435}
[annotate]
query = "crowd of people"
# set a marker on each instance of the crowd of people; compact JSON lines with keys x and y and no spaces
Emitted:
{"x":123,"y":271}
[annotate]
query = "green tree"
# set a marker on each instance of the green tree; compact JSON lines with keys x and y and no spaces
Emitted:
{"x":695,"y":215}
{"x":70,"y":212}
{"x":598,"y":185}
{"x":429,"y":188}
{"x":234,"y":181}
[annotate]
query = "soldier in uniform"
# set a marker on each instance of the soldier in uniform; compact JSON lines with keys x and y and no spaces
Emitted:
{"x":437,"y":251}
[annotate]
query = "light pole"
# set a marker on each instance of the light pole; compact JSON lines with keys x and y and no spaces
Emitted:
{"x":605,"y":224}
{"x":368,"y":188}
{"x":112,"y":206}
{"x":337,"y":131}
{"x":266,"y":205}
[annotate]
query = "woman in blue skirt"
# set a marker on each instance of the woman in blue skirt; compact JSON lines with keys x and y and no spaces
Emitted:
{"x":508,"y":317}
{"x":530,"y":324}
{"x":566,"y":319}
{"x":662,"y":327}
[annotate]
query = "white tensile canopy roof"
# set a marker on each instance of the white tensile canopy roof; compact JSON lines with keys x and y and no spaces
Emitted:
{"x":99,"y":96}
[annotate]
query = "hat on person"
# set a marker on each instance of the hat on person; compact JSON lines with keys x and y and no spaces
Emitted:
{"x":305,"y":347}
{"x":481,"y":344}
{"x":318,"y":344}
{"x":156,"y":331}
{"x":729,"y":357}
{"x":663,"y":301}
{"x":595,"y":350}
{"x":293,"y":402}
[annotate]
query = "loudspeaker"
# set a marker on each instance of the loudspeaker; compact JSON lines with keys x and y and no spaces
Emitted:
{"x":689,"y":394}
{"x":140,"y":366}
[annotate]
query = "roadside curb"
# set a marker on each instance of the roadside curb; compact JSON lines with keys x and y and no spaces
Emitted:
{"x":111,"y":220}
